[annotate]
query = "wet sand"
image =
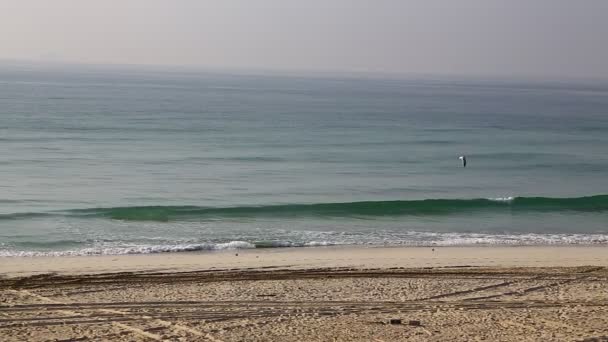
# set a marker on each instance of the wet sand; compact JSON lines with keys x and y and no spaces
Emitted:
{"x":311,"y":294}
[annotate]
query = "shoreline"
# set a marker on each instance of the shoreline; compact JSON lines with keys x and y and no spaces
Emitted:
{"x":379,"y":257}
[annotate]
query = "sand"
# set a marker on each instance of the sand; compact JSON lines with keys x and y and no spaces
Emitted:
{"x":311,"y":294}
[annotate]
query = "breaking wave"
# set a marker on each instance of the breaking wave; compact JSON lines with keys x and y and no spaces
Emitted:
{"x":426,"y":207}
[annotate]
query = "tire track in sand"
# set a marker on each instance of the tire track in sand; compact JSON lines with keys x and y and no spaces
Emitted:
{"x":137,"y":331}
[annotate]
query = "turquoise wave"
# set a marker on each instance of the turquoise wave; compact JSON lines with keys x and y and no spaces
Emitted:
{"x":427,"y":207}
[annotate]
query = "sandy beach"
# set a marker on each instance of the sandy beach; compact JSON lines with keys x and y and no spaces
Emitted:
{"x":311,"y":294}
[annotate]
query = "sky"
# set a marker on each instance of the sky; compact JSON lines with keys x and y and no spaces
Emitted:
{"x":457,"y":37}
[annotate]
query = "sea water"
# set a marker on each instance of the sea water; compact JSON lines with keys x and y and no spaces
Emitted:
{"x":115,"y":161}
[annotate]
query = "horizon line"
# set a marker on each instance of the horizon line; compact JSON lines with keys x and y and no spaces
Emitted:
{"x":291,"y":72}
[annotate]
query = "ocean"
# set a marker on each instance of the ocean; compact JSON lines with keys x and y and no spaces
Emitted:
{"x":125,"y":161}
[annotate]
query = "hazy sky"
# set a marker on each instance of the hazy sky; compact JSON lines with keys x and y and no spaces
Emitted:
{"x":471,"y":37}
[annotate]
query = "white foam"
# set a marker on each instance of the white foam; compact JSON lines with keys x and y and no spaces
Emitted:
{"x":378,"y":238}
{"x":321,"y":243}
{"x":140,"y":249}
{"x":502,"y":199}
{"x":529,"y":239}
{"x":234,"y":245}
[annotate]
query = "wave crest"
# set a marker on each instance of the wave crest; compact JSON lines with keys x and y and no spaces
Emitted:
{"x":425,"y":207}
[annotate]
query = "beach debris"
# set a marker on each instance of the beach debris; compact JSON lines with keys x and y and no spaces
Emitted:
{"x":236,"y":254}
{"x":414,"y":323}
{"x":395,"y":321}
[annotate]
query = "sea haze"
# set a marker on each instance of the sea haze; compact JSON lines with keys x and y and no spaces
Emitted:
{"x":132,"y":161}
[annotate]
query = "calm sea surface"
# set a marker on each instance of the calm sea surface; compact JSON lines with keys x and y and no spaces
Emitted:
{"x":112,"y":162}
